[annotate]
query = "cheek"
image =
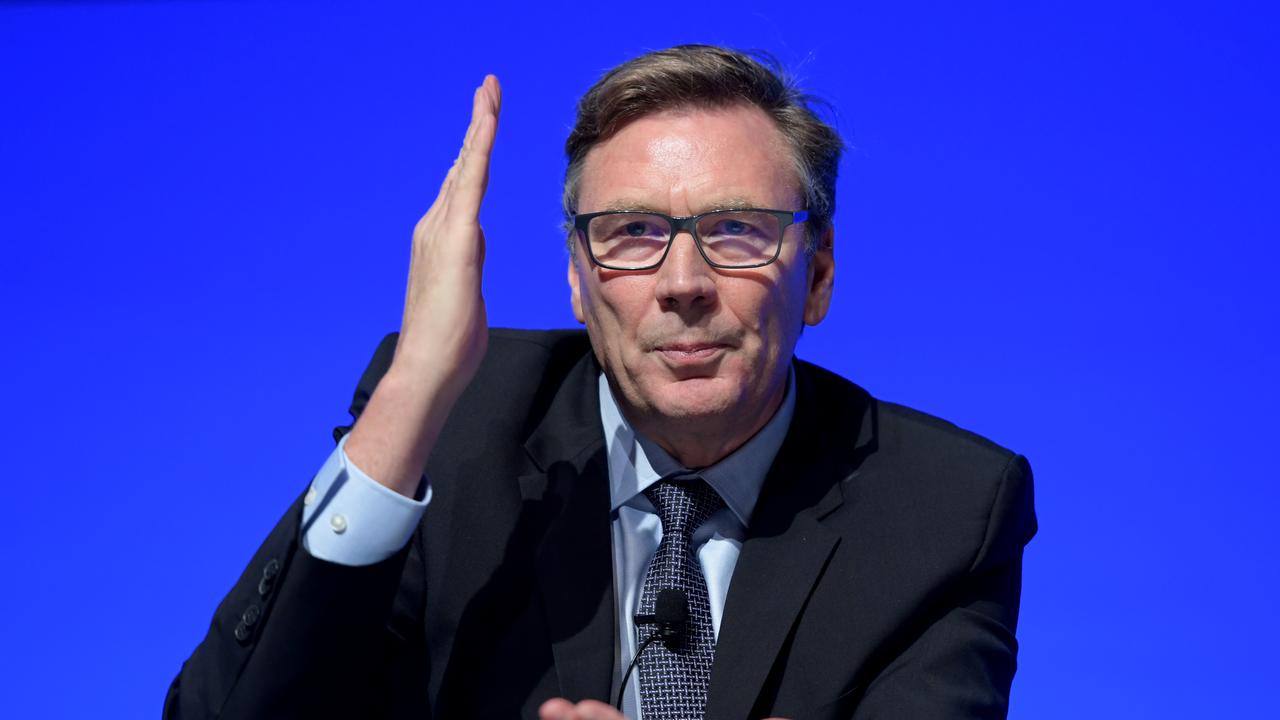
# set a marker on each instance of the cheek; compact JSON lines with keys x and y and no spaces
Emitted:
{"x":760,"y":307}
{"x":773,"y":313}
{"x":616,"y":306}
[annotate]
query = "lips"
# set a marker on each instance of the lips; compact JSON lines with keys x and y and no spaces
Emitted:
{"x":690,"y":348}
{"x":690,"y":353}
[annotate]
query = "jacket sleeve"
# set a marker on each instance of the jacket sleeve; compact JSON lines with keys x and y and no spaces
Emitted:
{"x":296,"y":636}
{"x":962,"y":665}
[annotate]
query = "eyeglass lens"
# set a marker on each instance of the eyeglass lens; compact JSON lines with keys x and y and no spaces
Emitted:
{"x":636,"y":240}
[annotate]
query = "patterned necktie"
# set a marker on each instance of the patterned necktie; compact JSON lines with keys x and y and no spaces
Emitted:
{"x":674,"y":677}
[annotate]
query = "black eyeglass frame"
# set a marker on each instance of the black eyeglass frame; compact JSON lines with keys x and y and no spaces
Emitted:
{"x":786,"y":218}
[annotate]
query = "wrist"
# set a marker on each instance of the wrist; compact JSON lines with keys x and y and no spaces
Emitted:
{"x":395,"y":434}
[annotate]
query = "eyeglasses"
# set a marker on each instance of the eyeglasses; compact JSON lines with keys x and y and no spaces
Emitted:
{"x":730,"y":239}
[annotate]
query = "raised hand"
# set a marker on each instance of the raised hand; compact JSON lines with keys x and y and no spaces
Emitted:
{"x":443,"y":334}
{"x":444,"y":329}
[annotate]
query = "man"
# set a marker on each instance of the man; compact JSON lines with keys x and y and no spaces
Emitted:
{"x":760,"y":536}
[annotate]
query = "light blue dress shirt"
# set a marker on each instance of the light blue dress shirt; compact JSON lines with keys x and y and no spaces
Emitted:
{"x":350,"y":519}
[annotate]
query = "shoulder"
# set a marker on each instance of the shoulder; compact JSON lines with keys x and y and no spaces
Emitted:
{"x":926,"y":471}
{"x":941,"y":493}
{"x":930,"y":439}
{"x":898,"y":430}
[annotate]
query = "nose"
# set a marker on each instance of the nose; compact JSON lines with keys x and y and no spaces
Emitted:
{"x":685,"y":281}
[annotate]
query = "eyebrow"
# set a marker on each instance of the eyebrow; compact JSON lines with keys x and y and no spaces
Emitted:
{"x":630,"y":205}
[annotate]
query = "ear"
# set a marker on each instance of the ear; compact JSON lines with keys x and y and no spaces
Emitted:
{"x":822,"y":279}
{"x":575,"y":289}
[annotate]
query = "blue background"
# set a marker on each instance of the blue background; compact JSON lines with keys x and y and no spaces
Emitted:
{"x":1057,"y":226}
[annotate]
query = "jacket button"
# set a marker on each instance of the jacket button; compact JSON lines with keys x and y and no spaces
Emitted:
{"x":251,"y":616}
{"x":269,"y":573}
{"x":242,"y":634}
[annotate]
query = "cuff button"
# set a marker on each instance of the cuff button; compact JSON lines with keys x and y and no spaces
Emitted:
{"x":338,"y":523}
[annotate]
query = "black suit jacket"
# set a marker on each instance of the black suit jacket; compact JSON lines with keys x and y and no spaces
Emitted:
{"x":880,"y":577}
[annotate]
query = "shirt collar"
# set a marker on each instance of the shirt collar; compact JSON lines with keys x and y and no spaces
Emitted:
{"x":636,"y":462}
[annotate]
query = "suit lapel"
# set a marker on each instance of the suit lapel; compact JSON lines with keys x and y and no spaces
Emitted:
{"x":573,"y":562}
{"x":787,"y":546}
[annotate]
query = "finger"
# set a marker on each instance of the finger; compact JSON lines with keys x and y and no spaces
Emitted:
{"x":461,"y":159}
{"x":479,"y":108}
{"x":556,"y":709}
{"x":484,"y":110}
{"x":596,"y":710}
{"x":494,"y":91}
{"x":440,"y":203}
{"x":473,"y":168}
{"x":446,"y":188}
{"x":484,"y":118}
{"x":486,"y":101}
{"x":467,"y":174}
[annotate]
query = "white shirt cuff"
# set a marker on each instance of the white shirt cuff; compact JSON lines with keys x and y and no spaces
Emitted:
{"x":350,"y":519}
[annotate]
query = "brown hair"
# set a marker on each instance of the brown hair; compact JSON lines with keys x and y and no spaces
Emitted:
{"x":714,"y":77}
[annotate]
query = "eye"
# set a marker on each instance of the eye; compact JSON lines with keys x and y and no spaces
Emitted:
{"x":734,"y":227}
{"x":638,"y":229}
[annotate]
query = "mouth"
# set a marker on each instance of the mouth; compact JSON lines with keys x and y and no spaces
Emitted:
{"x":693,"y":353}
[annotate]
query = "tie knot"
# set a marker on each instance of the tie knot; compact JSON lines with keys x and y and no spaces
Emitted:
{"x":684,"y":504}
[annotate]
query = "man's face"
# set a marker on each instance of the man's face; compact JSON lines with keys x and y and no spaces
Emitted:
{"x":686,"y":346}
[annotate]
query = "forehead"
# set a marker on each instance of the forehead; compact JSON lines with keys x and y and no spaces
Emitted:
{"x":691,"y":160}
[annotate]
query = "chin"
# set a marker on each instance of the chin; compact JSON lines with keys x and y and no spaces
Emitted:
{"x":694,"y":398}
